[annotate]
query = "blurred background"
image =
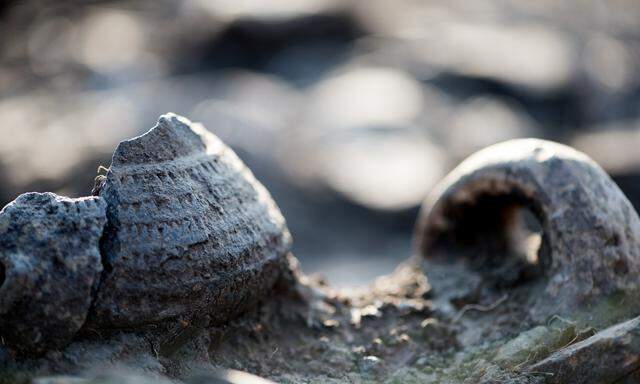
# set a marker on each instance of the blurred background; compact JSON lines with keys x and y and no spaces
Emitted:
{"x":348,"y":111}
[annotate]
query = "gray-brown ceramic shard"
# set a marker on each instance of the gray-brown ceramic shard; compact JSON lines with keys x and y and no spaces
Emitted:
{"x":589,"y":244}
{"x":49,"y":264}
{"x":190,"y":231}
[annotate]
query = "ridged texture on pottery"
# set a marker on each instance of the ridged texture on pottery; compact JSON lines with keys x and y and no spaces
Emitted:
{"x":50,"y":262}
{"x":590,"y":228}
{"x":191,"y":232}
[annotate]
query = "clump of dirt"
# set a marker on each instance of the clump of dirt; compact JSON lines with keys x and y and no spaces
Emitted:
{"x":391,"y":331}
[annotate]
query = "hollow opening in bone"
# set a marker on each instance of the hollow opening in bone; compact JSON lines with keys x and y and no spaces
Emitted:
{"x":500,"y":236}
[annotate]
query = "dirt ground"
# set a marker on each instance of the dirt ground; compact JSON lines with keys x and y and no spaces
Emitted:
{"x":400,"y":329}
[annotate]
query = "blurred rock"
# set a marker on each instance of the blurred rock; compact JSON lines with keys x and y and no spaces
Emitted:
{"x":360,"y":138}
{"x":250,"y":111}
{"x":610,"y":63}
{"x":446,"y":38}
{"x":380,"y":168}
{"x":358,"y":97}
{"x":48,"y":140}
{"x":483,"y":121}
{"x":255,"y":36}
{"x":614,"y":147}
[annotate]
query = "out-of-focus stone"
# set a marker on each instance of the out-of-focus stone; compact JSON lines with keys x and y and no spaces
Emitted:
{"x":485,"y":121}
{"x":613,"y":146}
{"x":362,"y":136}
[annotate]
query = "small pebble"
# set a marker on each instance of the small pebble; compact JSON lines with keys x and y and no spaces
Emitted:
{"x":369,"y":363}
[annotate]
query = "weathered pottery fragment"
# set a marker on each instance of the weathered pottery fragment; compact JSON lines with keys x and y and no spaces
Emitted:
{"x":181,"y":235}
{"x":589,"y":230}
{"x":190,"y":231}
{"x":49,"y":264}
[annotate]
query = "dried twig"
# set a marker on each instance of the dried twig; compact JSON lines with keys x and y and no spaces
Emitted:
{"x":479,"y":308}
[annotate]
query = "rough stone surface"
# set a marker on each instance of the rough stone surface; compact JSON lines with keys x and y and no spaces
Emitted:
{"x":49,"y":264}
{"x":590,"y":246}
{"x":191,"y":235}
{"x":606,"y":357}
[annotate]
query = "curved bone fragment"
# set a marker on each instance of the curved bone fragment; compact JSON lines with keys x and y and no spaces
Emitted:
{"x":589,"y":230}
